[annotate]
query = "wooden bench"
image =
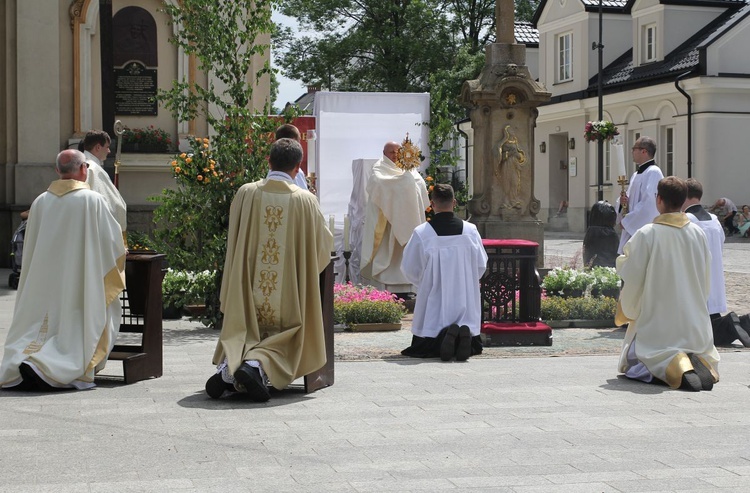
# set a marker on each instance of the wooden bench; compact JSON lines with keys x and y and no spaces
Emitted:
{"x":142,"y":308}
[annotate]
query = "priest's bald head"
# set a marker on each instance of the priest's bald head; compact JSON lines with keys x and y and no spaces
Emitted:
{"x":71,"y":165}
{"x":390,"y":150}
{"x":285,"y":156}
{"x":671,"y":193}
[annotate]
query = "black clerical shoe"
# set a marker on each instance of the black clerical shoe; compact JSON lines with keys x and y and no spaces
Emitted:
{"x":742,"y":333}
{"x":448,"y":347}
{"x":691,"y":381}
{"x":463,"y":346}
{"x":33,"y":381}
{"x":216,"y":386}
{"x":707,"y":380}
{"x":247,"y":379}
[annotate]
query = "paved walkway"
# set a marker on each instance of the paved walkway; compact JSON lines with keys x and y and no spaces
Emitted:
{"x":506,"y":422}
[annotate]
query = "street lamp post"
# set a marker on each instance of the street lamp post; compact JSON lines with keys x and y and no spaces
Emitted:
{"x":600,"y":143}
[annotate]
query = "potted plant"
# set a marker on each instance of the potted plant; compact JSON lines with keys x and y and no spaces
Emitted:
{"x":601,"y":130}
{"x":149,"y":139}
{"x":186,"y":290}
{"x":364,"y":308}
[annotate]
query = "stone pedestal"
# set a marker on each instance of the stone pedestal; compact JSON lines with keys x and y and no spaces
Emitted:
{"x":503,"y":105}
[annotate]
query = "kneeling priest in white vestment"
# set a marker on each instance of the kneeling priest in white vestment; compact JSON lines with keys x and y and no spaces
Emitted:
{"x":68,"y":310}
{"x":666,"y":272}
{"x":445,"y":260}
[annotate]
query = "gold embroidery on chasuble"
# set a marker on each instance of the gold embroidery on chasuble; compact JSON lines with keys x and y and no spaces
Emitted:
{"x":41,"y":338}
{"x":269,"y":269}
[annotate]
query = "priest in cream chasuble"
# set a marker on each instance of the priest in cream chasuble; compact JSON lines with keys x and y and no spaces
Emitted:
{"x":396,"y":203}
{"x":666,"y":272}
{"x":68,"y":310}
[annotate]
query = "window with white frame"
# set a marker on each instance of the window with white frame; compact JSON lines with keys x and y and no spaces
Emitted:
{"x":669,"y":150}
{"x":607,"y":174}
{"x":565,"y":57}
{"x":649,"y":43}
{"x":634,"y":136}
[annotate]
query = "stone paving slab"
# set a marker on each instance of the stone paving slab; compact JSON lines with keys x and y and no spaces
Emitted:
{"x":512,"y":421}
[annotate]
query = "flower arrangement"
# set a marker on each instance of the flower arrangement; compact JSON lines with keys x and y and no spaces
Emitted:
{"x":149,"y":139}
{"x":197,"y":166}
{"x":603,"y":130}
{"x":593,"y":282}
{"x":356,"y":304}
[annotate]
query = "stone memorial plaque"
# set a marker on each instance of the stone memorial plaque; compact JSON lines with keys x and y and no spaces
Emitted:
{"x":135,"y":89}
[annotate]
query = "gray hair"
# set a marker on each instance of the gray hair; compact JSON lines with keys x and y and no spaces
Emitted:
{"x":69,"y":160}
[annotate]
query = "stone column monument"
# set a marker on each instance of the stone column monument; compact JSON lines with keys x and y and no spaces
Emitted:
{"x":503,"y":108}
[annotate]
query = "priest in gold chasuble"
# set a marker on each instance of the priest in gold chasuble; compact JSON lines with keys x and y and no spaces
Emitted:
{"x":277,"y":246}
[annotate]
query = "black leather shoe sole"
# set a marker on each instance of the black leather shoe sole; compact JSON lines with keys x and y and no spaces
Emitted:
{"x":251,"y":382}
{"x":33,"y":381}
{"x":448,"y":347}
{"x":216,"y":386}
{"x":463,"y":346}
{"x":707,"y":380}
{"x":691,"y":381}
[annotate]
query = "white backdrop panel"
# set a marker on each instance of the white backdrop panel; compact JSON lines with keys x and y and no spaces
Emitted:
{"x":353,"y":125}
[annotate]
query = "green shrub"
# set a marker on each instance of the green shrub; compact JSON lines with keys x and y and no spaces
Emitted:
{"x":560,"y":281}
{"x":180,"y":287}
{"x":595,"y":308}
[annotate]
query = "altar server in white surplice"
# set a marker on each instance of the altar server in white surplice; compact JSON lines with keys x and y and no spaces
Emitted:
{"x":666,"y":272}
{"x":68,"y":311}
{"x":641,"y":197}
{"x":445,"y":260}
{"x":396,"y":203}
{"x":727,"y":328}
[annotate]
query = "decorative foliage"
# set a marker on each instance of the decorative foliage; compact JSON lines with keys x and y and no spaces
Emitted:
{"x":557,"y":308}
{"x":180,"y":287}
{"x":150,"y":139}
{"x":603,"y":130}
{"x":593,"y":282}
{"x":365,"y":304}
{"x":139,"y":242}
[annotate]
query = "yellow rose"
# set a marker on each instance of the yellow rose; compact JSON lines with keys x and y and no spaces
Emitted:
{"x":200,"y":177}
{"x":183,"y":155}
{"x":177,"y":169}
{"x":205,"y":170}
{"x":174,"y":163}
{"x":205,"y":141}
{"x":188,"y":160}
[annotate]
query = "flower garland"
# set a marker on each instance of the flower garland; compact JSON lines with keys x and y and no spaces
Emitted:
{"x":603,"y":130}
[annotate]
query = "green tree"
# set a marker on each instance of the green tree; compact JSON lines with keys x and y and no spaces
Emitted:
{"x":367,"y":45}
{"x":225,"y":36}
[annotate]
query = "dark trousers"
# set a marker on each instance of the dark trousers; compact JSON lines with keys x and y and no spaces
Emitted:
{"x":729,"y":223}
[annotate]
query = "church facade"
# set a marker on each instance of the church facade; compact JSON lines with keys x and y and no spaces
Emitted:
{"x":73,"y":65}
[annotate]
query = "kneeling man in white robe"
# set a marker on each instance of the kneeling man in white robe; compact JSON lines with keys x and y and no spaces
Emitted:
{"x":445,"y":260}
{"x":68,"y":310}
{"x":666,"y":272}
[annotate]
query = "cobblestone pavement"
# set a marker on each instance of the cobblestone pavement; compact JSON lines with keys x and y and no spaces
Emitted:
{"x":503,"y":423}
